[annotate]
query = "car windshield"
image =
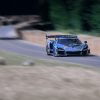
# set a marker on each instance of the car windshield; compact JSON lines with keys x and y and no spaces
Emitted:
{"x":69,"y":42}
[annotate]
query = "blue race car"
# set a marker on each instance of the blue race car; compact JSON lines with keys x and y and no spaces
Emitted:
{"x":64,"y":45}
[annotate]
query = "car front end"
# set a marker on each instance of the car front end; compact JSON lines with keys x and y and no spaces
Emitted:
{"x":72,"y":49}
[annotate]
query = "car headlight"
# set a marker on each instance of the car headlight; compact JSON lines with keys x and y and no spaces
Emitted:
{"x":60,"y":49}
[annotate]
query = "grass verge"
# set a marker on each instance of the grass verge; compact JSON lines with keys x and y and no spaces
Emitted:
{"x":47,"y":80}
{"x":17,"y":59}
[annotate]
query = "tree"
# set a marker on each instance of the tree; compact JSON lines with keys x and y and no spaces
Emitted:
{"x":86,"y":14}
{"x":72,"y":9}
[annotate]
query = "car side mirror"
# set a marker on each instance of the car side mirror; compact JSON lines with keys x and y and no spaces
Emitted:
{"x":85,"y":42}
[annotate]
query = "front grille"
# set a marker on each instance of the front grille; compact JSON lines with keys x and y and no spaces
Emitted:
{"x":61,"y":52}
{"x":74,"y":53}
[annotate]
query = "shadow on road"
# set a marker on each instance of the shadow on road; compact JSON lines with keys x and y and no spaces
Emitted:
{"x":77,"y":56}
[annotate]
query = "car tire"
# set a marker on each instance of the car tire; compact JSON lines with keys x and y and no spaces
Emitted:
{"x":66,"y":55}
{"x":47,"y":50}
{"x":48,"y":54}
{"x":55,"y":54}
{"x":85,"y":54}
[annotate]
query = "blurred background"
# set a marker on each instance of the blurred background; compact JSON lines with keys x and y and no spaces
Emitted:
{"x":26,"y":72}
{"x":77,"y":15}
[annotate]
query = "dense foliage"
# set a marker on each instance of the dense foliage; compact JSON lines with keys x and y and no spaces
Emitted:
{"x":65,"y":14}
{"x":76,"y":14}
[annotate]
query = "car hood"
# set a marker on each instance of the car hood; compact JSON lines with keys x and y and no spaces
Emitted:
{"x":73,"y":47}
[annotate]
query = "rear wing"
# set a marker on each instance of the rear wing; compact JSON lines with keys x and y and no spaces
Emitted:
{"x":60,"y":36}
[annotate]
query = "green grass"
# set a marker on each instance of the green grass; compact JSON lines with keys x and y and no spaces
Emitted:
{"x":16,"y":59}
{"x":13,"y":59}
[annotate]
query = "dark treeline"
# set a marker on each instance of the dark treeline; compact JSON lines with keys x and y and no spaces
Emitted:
{"x":77,"y":14}
{"x":65,"y":14}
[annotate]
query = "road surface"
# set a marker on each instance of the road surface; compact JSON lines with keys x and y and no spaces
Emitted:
{"x":23,"y":48}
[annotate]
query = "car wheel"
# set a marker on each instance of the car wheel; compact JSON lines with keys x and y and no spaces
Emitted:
{"x":47,"y":50}
{"x":55,"y":54}
{"x":66,"y":54}
{"x":48,"y":54}
{"x":85,"y":53}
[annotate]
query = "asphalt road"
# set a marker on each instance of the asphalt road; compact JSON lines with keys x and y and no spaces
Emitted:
{"x":23,"y":48}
